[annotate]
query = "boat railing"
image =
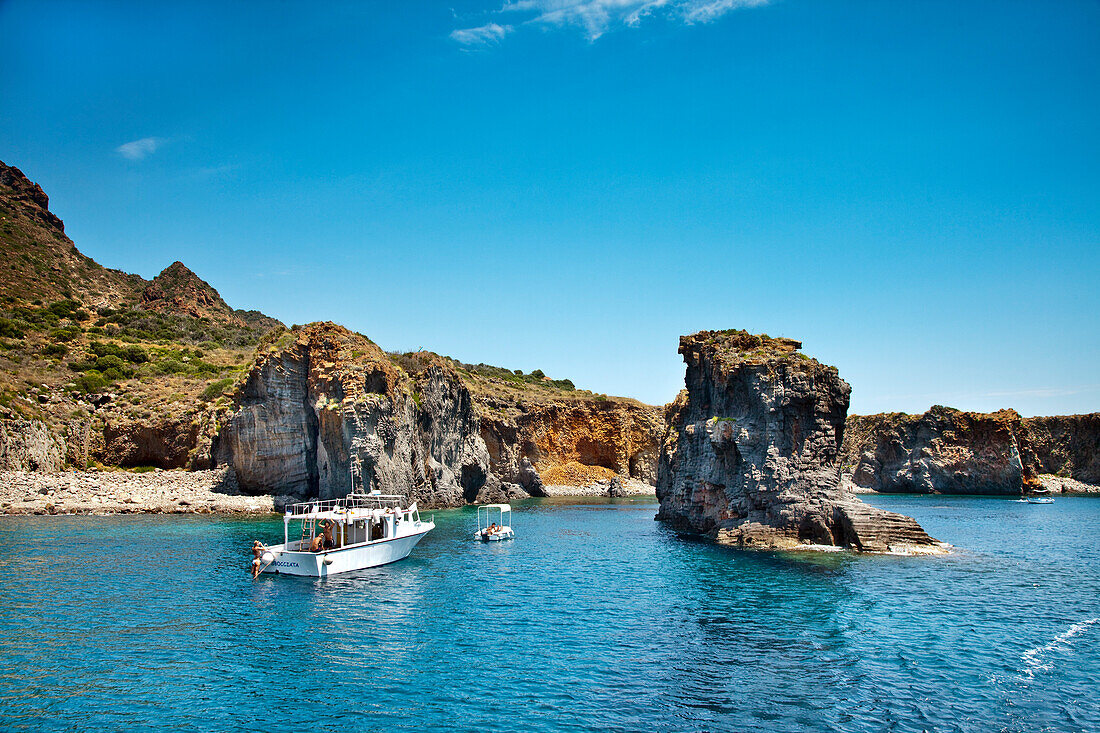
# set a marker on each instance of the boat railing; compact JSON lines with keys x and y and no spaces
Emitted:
{"x":351,"y":501}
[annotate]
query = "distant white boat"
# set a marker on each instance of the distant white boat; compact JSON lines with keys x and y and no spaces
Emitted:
{"x":1040,"y":496}
{"x":340,"y":535}
{"x":491,"y":531}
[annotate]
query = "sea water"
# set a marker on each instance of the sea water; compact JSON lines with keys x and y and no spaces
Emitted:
{"x":594,"y":618}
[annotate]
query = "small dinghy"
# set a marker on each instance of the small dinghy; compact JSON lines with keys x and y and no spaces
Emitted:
{"x":494,"y":531}
{"x":1040,"y":496}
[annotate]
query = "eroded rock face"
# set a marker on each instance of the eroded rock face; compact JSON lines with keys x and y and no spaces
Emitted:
{"x":751,"y":452}
{"x":622,"y":437}
{"x":163,"y":441}
{"x":943,"y":450}
{"x":947,"y":451}
{"x":28,"y":445}
{"x":1064,"y":445}
{"x":327,"y":404}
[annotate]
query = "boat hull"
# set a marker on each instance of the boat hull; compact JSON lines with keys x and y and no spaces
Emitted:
{"x":505,"y":534}
{"x":344,"y":559}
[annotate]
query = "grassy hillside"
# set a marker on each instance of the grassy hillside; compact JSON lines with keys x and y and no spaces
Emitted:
{"x":76,"y":337}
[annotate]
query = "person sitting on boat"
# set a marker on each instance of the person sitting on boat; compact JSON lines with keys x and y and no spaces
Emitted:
{"x":493,"y":529}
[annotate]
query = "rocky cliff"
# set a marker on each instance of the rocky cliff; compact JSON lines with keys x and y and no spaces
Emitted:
{"x":1064,"y":445}
{"x":574,"y":441}
{"x":322,"y":403}
{"x":949,"y":451}
{"x":29,"y":445}
{"x":751,"y":454}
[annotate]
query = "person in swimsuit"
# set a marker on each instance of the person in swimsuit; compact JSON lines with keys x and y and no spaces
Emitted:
{"x":323,"y":541}
{"x":258,"y":550}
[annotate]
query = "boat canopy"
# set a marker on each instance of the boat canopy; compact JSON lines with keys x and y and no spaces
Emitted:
{"x":501,"y":507}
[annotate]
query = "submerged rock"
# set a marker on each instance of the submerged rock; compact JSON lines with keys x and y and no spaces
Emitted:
{"x":751,"y":453}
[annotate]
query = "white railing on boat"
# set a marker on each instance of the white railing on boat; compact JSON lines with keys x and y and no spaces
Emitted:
{"x":351,"y":501}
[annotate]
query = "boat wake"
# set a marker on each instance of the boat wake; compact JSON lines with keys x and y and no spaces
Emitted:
{"x":1035,"y":658}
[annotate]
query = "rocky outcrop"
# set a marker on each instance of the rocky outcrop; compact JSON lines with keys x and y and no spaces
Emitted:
{"x":40,"y":261}
{"x":941,"y":451}
{"x":1064,"y":445}
{"x":751,"y":453}
{"x":615,"y":437}
{"x":948,"y":451}
{"x":323,"y":404}
{"x":28,"y":445}
{"x":179,"y":291}
{"x":29,"y":196}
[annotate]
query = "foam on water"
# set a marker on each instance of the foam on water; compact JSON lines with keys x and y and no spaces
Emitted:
{"x":1034,"y":658}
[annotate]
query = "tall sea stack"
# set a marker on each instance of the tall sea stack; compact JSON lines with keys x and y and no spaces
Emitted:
{"x":751,"y":453}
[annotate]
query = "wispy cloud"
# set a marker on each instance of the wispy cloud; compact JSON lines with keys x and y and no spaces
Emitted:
{"x":596,"y":17}
{"x":139,"y":149}
{"x":484,"y":35}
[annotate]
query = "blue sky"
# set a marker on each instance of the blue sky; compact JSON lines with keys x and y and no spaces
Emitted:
{"x":910,"y":188}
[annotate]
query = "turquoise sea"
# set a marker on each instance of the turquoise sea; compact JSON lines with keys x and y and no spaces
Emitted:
{"x":595,"y":618}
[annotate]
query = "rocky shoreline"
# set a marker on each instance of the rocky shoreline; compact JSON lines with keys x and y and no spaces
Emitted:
{"x":183,"y":492}
{"x":612,"y":488}
{"x":1053,"y":484}
{"x":124,"y":492}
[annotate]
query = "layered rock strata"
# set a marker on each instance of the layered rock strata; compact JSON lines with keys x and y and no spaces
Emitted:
{"x":750,"y":457}
{"x":949,"y":451}
{"x":324,"y":404}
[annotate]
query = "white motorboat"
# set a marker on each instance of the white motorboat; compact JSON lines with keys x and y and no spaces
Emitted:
{"x":339,"y":535}
{"x":501,"y":529}
{"x":1040,"y":496}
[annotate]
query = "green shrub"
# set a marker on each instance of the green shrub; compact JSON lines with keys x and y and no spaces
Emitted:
{"x":135,"y":355}
{"x":109,"y":362}
{"x":90,"y":381}
{"x":55,"y":350}
{"x":65,"y":308}
{"x":170,"y":366}
{"x":216,"y":389}
{"x":65,"y":334}
{"x":8,"y":329}
{"x":204,"y":368}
